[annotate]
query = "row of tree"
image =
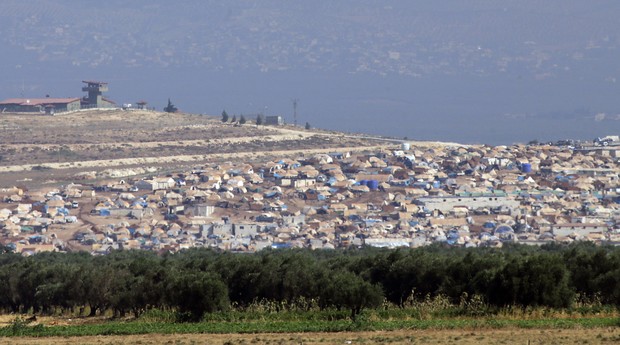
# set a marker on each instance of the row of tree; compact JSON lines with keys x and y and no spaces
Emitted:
{"x":242,"y":120}
{"x":171,"y":108}
{"x":201,"y":281}
{"x":259,"y":119}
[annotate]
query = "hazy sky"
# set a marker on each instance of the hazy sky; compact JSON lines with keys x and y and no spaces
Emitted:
{"x":469,"y":71}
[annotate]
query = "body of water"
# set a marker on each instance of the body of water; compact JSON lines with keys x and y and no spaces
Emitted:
{"x":503,"y":109}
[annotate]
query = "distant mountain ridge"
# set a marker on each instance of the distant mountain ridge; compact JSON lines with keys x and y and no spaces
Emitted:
{"x":475,"y":71}
{"x":413,"y":38}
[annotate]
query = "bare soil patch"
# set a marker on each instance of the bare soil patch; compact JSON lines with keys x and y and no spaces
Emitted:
{"x":463,"y":337}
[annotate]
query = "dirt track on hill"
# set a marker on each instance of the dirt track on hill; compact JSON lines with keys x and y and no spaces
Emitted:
{"x":107,"y":163}
{"x":38,"y":149}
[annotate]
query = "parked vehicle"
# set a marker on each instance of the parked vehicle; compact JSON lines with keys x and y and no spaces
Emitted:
{"x":607,"y":140}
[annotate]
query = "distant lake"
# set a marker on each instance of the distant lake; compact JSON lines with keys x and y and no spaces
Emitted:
{"x":502,"y":109}
{"x":467,"y":110}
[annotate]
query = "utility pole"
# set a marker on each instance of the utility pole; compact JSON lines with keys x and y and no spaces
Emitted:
{"x":295,"y":111}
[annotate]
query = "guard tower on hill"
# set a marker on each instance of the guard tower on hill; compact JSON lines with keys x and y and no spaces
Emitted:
{"x":95,"y":97}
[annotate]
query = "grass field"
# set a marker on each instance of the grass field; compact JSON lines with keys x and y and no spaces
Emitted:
{"x":572,"y":330}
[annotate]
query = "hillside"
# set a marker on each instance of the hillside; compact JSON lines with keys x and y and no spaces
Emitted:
{"x":99,"y":144}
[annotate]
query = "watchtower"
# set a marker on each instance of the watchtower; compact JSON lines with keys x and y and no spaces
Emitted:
{"x":95,"y":91}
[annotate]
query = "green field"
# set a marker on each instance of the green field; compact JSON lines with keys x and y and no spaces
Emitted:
{"x":303,"y":322}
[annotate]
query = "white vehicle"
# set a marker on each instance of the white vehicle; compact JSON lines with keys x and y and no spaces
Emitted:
{"x":607,"y":140}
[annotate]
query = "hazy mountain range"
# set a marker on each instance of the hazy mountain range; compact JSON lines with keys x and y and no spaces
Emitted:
{"x":470,"y":71}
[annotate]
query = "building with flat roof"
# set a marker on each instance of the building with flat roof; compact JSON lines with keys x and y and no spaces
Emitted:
{"x":39,"y":105}
{"x":274,"y":120}
{"x":448,"y":203}
{"x":49,"y":105}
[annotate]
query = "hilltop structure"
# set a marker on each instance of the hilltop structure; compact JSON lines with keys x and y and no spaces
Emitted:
{"x":95,"y":97}
{"x":274,"y":120}
{"x":39,"y":105}
{"x":48,"y":105}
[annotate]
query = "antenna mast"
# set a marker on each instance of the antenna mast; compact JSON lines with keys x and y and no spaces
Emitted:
{"x":295,"y":111}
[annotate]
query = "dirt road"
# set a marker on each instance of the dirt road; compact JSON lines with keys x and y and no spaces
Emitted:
{"x":461,"y":337}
